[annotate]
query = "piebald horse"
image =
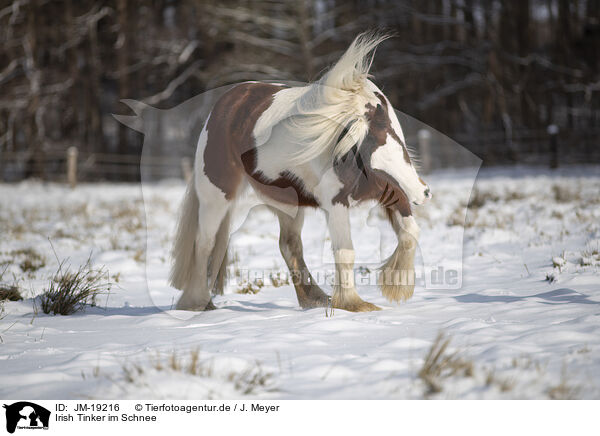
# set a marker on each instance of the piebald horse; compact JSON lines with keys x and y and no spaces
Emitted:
{"x":329,"y":145}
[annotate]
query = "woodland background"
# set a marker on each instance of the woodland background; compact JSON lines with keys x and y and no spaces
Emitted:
{"x":491,"y":75}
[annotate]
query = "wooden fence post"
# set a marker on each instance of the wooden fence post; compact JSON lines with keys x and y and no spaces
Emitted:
{"x":424,"y":138}
{"x":72,"y":166}
{"x":186,"y":167}
{"x":553,"y":133}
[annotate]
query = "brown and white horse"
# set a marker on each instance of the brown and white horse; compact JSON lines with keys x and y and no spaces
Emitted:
{"x":329,"y":145}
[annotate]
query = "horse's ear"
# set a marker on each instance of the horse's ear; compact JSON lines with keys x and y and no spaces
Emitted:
{"x":134,"y":122}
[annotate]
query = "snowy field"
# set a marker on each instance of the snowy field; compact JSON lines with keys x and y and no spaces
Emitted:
{"x":524,"y":324}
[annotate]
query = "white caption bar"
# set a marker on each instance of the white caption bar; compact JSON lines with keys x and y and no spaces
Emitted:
{"x":267,"y":417}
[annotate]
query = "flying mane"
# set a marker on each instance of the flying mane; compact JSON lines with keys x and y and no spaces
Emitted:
{"x":329,"y":116}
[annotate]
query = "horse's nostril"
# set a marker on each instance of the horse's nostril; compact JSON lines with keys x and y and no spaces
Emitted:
{"x":427,"y":193}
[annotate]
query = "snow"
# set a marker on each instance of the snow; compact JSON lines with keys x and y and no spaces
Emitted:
{"x":525,"y":312}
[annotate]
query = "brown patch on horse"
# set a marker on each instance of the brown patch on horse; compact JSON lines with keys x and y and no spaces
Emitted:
{"x":361,"y":182}
{"x":390,"y":130}
{"x":229,"y":129}
{"x":231,"y":151}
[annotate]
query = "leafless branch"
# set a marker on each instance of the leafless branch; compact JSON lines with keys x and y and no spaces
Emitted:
{"x":173,"y":85}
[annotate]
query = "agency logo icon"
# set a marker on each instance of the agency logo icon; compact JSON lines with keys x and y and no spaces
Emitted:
{"x":26,"y":415}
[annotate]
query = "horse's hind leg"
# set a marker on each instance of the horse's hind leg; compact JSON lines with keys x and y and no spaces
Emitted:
{"x":218,"y":257}
{"x":221,"y":276}
{"x":196,"y":295}
{"x":290,"y":244}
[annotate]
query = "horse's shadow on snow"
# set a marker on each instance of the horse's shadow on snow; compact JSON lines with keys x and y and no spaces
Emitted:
{"x":247,"y":306}
{"x":153,"y":310}
{"x":558,"y":296}
{"x":123,"y":311}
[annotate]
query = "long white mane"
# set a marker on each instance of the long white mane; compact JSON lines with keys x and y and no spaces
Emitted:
{"x":335,"y":105}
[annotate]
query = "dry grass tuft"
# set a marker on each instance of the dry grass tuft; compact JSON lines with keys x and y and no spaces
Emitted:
{"x":504,"y":384}
{"x":277,"y":280}
{"x":559,"y":261}
{"x":140,"y":256}
{"x":32,"y":261}
{"x":27,"y":259}
{"x":10,"y":292}
{"x":564,"y":194}
{"x":590,"y":256}
{"x":249,"y":380}
{"x":253,"y":287}
{"x":132,"y":372}
{"x":440,"y":365}
{"x":479,"y":198}
{"x":70,"y":291}
{"x":563,"y":391}
{"x":246,"y":382}
{"x":591,"y":251}
{"x":458,"y":218}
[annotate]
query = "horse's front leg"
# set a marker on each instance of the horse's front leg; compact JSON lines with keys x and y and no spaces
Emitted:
{"x":344,"y":292}
{"x":397,"y":278}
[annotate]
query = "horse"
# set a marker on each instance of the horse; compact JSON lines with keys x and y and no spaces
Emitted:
{"x":331,"y":144}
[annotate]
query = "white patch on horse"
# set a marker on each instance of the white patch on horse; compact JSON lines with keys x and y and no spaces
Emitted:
{"x":327,"y":188}
{"x":389,"y":158}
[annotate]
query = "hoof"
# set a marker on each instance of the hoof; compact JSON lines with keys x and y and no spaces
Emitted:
{"x":311,"y":303}
{"x":355,"y":305}
{"x":314,"y":297}
{"x":194,"y":307}
{"x":210,"y":306}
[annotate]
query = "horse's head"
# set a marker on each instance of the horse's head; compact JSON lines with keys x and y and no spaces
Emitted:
{"x":385,"y":151}
{"x":367,"y":124}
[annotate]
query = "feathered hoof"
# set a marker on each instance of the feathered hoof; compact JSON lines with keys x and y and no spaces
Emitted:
{"x":354,"y":305}
{"x":396,"y":293}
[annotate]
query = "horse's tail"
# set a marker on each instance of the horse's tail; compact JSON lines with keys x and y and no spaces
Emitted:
{"x":184,"y":247}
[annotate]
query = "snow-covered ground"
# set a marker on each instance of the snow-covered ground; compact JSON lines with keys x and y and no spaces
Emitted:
{"x":524,"y":324}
